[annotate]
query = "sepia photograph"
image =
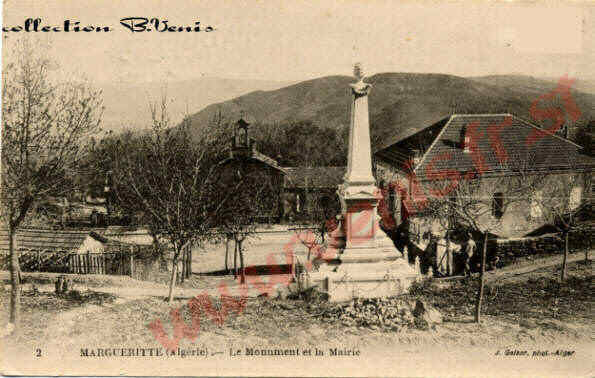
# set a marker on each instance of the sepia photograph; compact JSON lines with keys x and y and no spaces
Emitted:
{"x":297,"y":188}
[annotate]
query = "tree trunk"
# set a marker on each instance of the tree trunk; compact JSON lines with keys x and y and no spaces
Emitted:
{"x":565,"y":259}
{"x":243,"y":276}
{"x":189,"y":262}
{"x":172,"y":282}
{"x":588,"y":248}
{"x":183,"y":272}
{"x":226,"y":255}
{"x":15,"y":280}
{"x":235,"y":259}
{"x":481,"y":279}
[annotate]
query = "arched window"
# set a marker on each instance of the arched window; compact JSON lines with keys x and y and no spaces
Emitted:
{"x":536,"y":203}
{"x":498,"y":205}
{"x":242,"y":137}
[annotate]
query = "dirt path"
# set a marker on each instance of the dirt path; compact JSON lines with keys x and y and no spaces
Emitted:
{"x":270,"y":284}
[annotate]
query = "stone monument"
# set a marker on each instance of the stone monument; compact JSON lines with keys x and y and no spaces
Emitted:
{"x":360,"y":259}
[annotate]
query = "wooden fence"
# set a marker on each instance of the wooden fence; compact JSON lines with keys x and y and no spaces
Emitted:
{"x":111,"y":262}
{"x":114,"y":263}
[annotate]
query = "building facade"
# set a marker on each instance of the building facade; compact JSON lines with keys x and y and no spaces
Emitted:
{"x":294,"y":194}
{"x":489,"y":158}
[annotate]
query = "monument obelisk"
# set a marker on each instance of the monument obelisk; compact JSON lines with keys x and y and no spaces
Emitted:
{"x":361,"y":260}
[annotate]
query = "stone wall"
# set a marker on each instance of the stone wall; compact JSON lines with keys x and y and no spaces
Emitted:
{"x":510,"y":250}
{"x":504,"y":252}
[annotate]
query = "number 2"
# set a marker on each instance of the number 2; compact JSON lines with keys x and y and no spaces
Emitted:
{"x":37,"y":352}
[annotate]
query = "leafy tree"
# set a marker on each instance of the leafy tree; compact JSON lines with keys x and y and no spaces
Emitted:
{"x":299,"y":144}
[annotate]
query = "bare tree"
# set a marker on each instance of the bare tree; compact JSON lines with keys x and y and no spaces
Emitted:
{"x":239,"y":219}
{"x":45,"y":129}
{"x":558,"y":204}
{"x":171,"y":180}
{"x":322,"y":217}
{"x":468,"y":202}
{"x":240,"y":231}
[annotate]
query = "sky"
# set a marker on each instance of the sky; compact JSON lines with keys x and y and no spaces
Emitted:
{"x":299,"y":40}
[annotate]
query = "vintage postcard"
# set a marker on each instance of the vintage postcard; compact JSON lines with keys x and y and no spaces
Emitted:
{"x":297,"y":188}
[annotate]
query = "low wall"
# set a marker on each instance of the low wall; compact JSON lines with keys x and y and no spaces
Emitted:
{"x":504,"y":252}
{"x":509,"y":250}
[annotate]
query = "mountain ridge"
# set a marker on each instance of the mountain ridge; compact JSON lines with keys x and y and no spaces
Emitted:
{"x":398,"y":102}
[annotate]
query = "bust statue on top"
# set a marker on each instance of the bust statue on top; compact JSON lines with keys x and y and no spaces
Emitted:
{"x":360,"y":88}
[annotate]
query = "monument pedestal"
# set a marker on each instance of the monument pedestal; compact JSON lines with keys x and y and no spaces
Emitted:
{"x":361,"y":261}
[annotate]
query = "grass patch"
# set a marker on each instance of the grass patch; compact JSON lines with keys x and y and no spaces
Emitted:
{"x":539,"y":296}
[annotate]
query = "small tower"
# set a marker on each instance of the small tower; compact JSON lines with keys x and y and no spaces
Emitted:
{"x":241,"y":143}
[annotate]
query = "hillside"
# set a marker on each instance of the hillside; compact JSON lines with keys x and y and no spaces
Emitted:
{"x":531,"y":83}
{"x":398,"y":101}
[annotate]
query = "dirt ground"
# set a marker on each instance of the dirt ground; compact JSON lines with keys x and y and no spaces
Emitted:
{"x":268,"y":247}
{"x":531,"y":309}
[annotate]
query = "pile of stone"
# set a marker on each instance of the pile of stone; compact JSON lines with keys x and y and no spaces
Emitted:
{"x":384,"y":313}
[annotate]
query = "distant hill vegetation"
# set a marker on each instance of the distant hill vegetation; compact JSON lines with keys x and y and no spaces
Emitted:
{"x":398,"y":102}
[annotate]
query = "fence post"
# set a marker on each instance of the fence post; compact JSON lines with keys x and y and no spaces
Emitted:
{"x":88,"y":262}
{"x":132,"y":261}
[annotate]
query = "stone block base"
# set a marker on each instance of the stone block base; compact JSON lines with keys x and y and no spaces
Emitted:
{"x":359,"y":280}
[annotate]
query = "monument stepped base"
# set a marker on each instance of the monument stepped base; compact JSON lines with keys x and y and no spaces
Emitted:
{"x":347,"y":281}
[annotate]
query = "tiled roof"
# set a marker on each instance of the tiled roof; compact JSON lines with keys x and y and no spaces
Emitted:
{"x":399,"y":152}
{"x":414,"y":128}
{"x":258,"y":156}
{"x":54,"y":240}
{"x":499,"y":144}
{"x":266,"y":159}
{"x":313,"y":177}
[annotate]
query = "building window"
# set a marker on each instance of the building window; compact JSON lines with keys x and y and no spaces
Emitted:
{"x":576,"y":195}
{"x":536,"y":202}
{"x":392,"y":200}
{"x":243,"y":137}
{"x":498,"y":205}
